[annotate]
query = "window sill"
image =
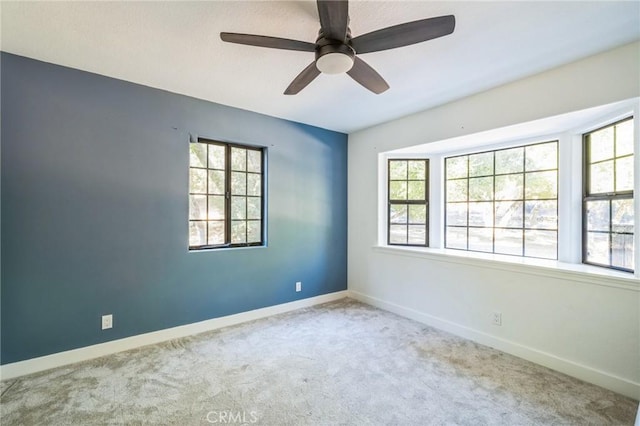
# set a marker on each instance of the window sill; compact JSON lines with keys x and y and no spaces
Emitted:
{"x":220,"y":249}
{"x":541,"y":267}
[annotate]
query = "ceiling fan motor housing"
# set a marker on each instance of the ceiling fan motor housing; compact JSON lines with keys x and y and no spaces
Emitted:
{"x":333,"y":56}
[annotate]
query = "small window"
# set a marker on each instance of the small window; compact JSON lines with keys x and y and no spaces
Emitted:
{"x":408,"y":195}
{"x":504,"y":201}
{"x":608,"y":216}
{"x":226,"y":202}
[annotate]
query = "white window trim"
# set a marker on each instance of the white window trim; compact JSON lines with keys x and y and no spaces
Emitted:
{"x":569,"y":263}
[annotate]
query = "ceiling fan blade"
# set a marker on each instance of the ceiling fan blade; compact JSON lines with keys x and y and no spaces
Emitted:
{"x":334,"y":18}
{"x":266,"y":41}
{"x":367,"y":76}
{"x":404,"y":34}
{"x":303,"y":79}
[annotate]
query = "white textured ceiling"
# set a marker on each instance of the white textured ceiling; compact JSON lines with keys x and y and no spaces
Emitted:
{"x":176,"y":46}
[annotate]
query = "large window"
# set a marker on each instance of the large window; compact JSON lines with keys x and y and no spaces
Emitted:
{"x":608,"y":221}
{"x":504,"y":201}
{"x":408,"y":195}
{"x":226,"y":187}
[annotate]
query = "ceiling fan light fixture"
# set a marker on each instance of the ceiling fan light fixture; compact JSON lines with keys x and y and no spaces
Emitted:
{"x":334,"y":63}
{"x":334,"y":58}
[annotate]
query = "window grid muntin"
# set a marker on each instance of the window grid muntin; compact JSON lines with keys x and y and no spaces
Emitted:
{"x":524,"y":172}
{"x":610,"y":197}
{"x":407,"y":202}
{"x":228,"y":220}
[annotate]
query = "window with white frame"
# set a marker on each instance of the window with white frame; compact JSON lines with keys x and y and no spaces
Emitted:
{"x":608,"y":211}
{"x":504,"y":201}
{"x":226,"y":202}
{"x":558,"y":189}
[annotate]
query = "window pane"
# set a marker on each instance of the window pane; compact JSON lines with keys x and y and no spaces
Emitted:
{"x":624,"y":138}
{"x":197,"y":155}
{"x":481,"y":189}
{"x":416,"y":190}
{"x":214,"y":218}
{"x":540,"y":244}
{"x":601,"y":145}
{"x":622,"y":251}
{"x":601,"y":178}
{"x":509,"y":187}
{"x":481,"y":214}
{"x":610,"y":220}
{"x":216,"y":182}
{"x":417,"y":234}
{"x":456,"y":167}
{"x":197,"y":207}
{"x":541,"y":185}
{"x":624,"y":174}
{"x":509,"y":160}
{"x":254,"y":208}
{"x":456,"y":238}
{"x":398,"y":213}
{"x":481,"y":164}
{"x":238,"y":232}
{"x":216,"y":208}
{"x":598,"y":248}
{"x":457,"y":190}
{"x":398,"y":234}
{"x":198,"y":181}
{"x":254,"y":161}
{"x":622,"y":215}
{"x":497,"y":201}
{"x":238,"y":183}
{"x":418,"y":214}
{"x":417,"y":170}
{"x":457,"y":214}
{"x":398,"y":190}
{"x":216,"y":233}
{"x":481,"y":239}
{"x":238,"y":159}
{"x":253,"y":231}
{"x":509,"y":214}
{"x":541,"y":157}
{"x":598,"y":215}
{"x":408,"y":182}
{"x":254,"y":184}
{"x":197,"y":233}
{"x":509,"y":241}
{"x":397,"y":169}
{"x":541,"y":214}
{"x":216,"y":156}
{"x":238,"y":207}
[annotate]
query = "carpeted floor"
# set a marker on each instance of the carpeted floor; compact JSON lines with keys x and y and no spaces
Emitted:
{"x":339,"y":363}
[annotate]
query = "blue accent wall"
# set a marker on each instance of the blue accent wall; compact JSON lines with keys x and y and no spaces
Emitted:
{"x":94,"y":211}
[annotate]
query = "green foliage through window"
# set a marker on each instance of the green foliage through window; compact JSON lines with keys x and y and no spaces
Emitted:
{"x":226,"y":200}
{"x":408,"y":193}
{"x":608,"y":213}
{"x":504,"y":201}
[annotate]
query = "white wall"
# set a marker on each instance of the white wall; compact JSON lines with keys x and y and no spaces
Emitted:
{"x":574,"y":325}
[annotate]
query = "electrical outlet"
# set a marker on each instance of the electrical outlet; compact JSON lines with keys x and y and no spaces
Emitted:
{"x":107,"y":321}
{"x":299,"y":286}
{"x":497,"y":318}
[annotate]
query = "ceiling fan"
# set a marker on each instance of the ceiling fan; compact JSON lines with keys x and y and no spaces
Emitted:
{"x":336,"y":51}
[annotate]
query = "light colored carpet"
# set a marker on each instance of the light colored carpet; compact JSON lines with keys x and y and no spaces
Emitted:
{"x":339,"y":363}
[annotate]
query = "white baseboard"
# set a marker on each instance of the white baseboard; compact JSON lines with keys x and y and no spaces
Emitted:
{"x":34,"y":365}
{"x":571,"y":368}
